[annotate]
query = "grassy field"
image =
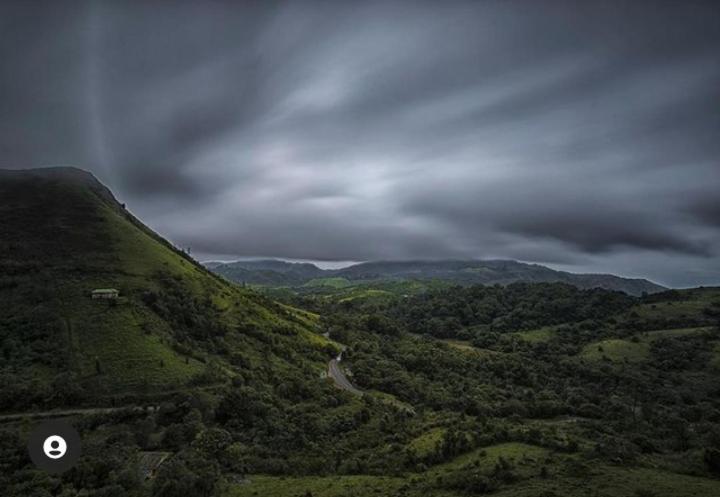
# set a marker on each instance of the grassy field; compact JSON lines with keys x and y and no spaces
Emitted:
{"x":360,"y":293}
{"x":615,"y":350}
{"x":566,"y":478}
{"x":467,"y":347}
{"x":426,"y":443}
{"x":114,"y":338}
{"x":693,"y":303}
{"x":678,"y":332}
{"x":567,"y":475}
{"x":328,"y":486}
{"x":329,"y":282}
{"x":537,"y":336}
{"x":620,"y":350}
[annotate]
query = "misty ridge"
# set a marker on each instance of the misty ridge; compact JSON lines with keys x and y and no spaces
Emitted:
{"x":500,"y":272}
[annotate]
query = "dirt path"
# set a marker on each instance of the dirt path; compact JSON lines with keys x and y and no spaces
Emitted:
{"x":71,"y":412}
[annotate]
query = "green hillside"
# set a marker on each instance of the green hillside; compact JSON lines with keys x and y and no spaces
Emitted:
{"x":62,"y":234}
{"x":329,"y":282}
{"x":533,"y":389}
{"x":529,"y":389}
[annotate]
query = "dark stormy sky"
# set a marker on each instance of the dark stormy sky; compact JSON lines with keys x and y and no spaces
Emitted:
{"x":583,"y":135}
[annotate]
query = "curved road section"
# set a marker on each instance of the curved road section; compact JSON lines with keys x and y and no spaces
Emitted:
{"x":336,"y":373}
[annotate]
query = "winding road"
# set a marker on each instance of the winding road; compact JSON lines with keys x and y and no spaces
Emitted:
{"x":336,"y":373}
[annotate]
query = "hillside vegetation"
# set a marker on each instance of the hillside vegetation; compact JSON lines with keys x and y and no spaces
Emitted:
{"x":62,"y":234}
{"x":530,"y":389}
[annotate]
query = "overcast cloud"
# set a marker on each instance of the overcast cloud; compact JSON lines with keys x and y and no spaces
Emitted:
{"x":583,"y":135}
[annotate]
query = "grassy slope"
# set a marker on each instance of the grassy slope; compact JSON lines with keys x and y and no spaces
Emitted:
{"x":537,"y":336}
{"x":564,"y":478}
{"x":63,"y":236}
{"x":331,"y":282}
{"x":616,"y":349}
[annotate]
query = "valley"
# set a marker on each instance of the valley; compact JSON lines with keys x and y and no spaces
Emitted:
{"x":344,"y":384}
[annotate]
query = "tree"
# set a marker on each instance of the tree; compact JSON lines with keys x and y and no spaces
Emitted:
{"x":187,"y":474}
{"x":712,"y":460}
{"x":212,"y":442}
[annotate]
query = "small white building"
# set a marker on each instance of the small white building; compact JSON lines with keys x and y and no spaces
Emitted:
{"x":105,"y":293}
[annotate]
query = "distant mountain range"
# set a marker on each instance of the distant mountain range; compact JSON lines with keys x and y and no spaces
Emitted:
{"x":272,"y":272}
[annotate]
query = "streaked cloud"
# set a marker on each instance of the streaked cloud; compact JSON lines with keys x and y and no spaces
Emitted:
{"x":583,"y":135}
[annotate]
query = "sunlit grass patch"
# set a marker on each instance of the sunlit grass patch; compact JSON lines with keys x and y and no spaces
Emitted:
{"x":535,"y":336}
{"x":427,"y":442}
{"x":329,"y":282}
{"x":317,"y":486}
{"x":616,"y":350}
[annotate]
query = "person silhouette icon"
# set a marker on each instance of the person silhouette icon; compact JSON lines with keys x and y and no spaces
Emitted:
{"x":55,"y":446}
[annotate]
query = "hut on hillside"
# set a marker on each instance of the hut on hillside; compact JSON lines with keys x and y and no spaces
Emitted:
{"x":105,"y":293}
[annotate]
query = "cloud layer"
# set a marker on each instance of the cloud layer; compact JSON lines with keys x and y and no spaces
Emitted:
{"x":583,"y":135}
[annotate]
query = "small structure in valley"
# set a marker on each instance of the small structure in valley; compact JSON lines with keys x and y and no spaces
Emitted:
{"x":150,"y":462}
{"x":105,"y":293}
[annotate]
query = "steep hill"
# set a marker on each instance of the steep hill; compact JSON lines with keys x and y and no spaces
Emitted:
{"x":489,"y":272}
{"x":62,"y":235}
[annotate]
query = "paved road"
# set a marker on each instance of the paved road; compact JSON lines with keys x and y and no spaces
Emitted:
{"x":70,"y":412}
{"x":336,"y":373}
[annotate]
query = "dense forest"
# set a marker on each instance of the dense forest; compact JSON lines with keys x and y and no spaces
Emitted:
{"x":467,"y":390}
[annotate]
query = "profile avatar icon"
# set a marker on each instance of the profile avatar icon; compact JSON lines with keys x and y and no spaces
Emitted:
{"x":55,"y":447}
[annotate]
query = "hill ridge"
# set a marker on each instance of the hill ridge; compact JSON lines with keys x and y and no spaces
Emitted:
{"x":274,"y":272}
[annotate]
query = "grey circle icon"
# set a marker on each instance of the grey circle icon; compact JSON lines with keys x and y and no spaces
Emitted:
{"x":54,"y":446}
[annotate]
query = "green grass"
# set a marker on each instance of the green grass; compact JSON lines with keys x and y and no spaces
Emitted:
{"x":620,"y":350}
{"x":696,"y":300}
{"x":317,"y":486}
{"x":678,"y":332}
{"x":390,"y":399}
{"x":484,"y":459}
{"x":568,"y":476}
{"x":426,"y":443}
{"x":62,"y":239}
{"x":613,"y":481}
{"x":330,"y":282}
{"x":616,"y":350}
{"x":359,"y":293}
{"x":343,"y":290}
{"x":467,"y":347}
{"x":527,"y":459}
{"x":128,"y":355}
{"x":536,"y":336}
{"x":463,"y":345}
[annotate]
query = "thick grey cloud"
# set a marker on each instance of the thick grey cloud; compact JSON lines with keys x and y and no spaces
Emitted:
{"x":585,"y":135}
